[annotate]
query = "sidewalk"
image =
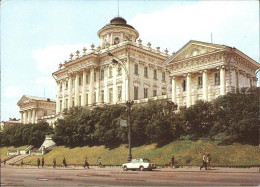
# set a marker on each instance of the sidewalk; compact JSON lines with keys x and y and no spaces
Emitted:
{"x":159,"y":169}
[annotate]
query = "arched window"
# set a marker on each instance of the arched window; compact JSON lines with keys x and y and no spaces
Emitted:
{"x":116,"y":41}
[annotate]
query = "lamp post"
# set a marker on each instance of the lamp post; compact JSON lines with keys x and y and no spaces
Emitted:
{"x":129,"y":103}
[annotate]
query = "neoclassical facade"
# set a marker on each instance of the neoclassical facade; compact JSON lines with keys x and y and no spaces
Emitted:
{"x":121,"y":68}
{"x":93,"y":78}
{"x":33,"y":109}
{"x":204,"y":71}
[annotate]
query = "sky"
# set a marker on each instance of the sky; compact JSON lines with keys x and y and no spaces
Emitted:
{"x":37,"y":35}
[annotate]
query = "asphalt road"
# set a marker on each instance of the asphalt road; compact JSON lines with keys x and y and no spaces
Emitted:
{"x":31,"y":176}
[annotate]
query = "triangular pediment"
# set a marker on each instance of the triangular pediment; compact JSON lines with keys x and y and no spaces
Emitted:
{"x":24,"y":100}
{"x":195,"y":48}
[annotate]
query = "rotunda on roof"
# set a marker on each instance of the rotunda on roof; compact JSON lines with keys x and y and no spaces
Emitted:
{"x":117,"y":31}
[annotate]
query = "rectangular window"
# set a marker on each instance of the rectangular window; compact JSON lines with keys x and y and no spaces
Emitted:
{"x":163,"y":76}
{"x":66,"y":103}
{"x":102,"y":74}
{"x":136,"y":69}
{"x":86,"y":79}
{"x":95,"y":78}
{"x":184,"y":85}
{"x":67,"y":85}
{"x":119,"y":70}
{"x":145,"y":92}
{"x":95,"y":97}
{"x":110,"y":71}
{"x":80,"y":100}
{"x":102,"y":96}
{"x":73,"y":102}
{"x":79,"y":81}
{"x":60,"y":105}
{"x":119,"y":93}
{"x":135,"y":92}
{"x":199,"y":82}
{"x":86,"y":99}
{"x":145,"y":71}
{"x":110,"y":95}
{"x":154,"y":74}
{"x":60,"y":87}
{"x":217,"y":79}
{"x":163,"y":93}
{"x":154,"y":93}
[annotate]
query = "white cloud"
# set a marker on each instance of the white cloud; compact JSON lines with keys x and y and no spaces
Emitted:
{"x":48,"y":59}
{"x":232,"y":23}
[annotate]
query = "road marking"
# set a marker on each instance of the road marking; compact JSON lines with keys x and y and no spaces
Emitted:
{"x":42,"y":179}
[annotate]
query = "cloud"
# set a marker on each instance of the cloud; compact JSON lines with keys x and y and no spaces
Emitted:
{"x":48,"y":59}
{"x":232,"y":23}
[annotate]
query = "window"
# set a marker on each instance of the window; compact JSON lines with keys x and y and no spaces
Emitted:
{"x":184,"y":85}
{"x":79,"y":81}
{"x":116,"y":41}
{"x":110,"y":95}
{"x":154,"y":74}
{"x":163,"y":76}
{"x":135,"y":92}
{"x":73,"y":102}
{"x":163,"y":93}
{"x":95,"y":97}
{"x":102,"y":74}
{"x":86,"y":79}
{"x":66,"y":103}
{"x":145,"y":71}
{"x":145,"y":92}
{"x":119,"y":70}
{"x":110,"y":71}
{"x":60,"y":105}
{"x":80,"y":100}
{"x":136,"y":69}
{"x":154,"y":93}
{"x":45,"y":113}
{"x":67,"y":85}
{"x":217,"y":79}
{"x":95,"y":76}
{"x":86,"y":99}
{"x":102,"y":96}
{"x":60,"y":87}
{"x":119,"y":93}
{"x":199,"y":82}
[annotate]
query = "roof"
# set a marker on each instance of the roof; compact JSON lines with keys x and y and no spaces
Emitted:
{"x":39,"y":98}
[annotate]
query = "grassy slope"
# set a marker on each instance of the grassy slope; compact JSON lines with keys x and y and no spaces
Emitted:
{"x":185,"y":153}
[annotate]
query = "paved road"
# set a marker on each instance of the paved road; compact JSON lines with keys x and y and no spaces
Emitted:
{"x":31,"y":176}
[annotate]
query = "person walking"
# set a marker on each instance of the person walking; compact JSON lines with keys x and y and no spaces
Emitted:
{"x":54,"y":162}
{"x":208,"y":160}
{"x":38,"y":162}
{"x":172,"y":161}
{"x":204,"y":164}
{"x":42,"y":162}
{"x":99,"y":162}
{"x":22,"y":163}
{"x":64,"y":162}
{"x":86,"y":164}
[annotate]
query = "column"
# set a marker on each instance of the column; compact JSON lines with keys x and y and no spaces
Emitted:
{"x":63,"y":93}
{"x":29,"y":116}
{"x":76,"y":91}
{"x":174,"y":90}
{"x":98,"y":86}
{"x":124,"y":85}
{"x":57,"y":98}
{"x":222,"y":81}
{"x":36,"y":116}
{"x":91,"y":86}
{"x":105,"y":84}
{"x":70,"y":92}
{"x":188,"y":90}
{"x":24,"y":117}
{"x":21,"y":118}
{"x":33,"y":115}
{"x":83,"y":96}
{"x":205,"y":85}
{"x":114,"y":83}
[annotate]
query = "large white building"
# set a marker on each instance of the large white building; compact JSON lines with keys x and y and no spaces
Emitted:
{"x":199,"y":70}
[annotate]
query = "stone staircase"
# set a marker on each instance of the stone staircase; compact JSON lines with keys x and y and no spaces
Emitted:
{"x":17,"y":158}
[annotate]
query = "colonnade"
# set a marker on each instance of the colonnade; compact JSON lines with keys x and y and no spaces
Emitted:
{"x":28,"y":116}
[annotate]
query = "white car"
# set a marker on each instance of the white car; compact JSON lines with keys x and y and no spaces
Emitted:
{"x":139,"y":163}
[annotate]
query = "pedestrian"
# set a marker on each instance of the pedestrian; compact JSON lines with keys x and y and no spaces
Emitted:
{"x":54,"y":162}
{"x":42,"y":162}
{"x":86,"y":164}
{"x":38,"y":162}
{"x":4,"y":161}
{"x":208,"y":160}
{"x":172,"y":161}
{"x":64,"y":162}
{"x":22,"y":163}
{"x":204,"y":164}
{"x":99,"y":162}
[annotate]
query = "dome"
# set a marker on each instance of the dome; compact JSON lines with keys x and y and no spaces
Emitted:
{"x":118,"y":21}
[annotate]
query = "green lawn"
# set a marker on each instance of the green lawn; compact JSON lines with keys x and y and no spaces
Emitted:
{"x":3,"y":150}
{"x":185,"y":152}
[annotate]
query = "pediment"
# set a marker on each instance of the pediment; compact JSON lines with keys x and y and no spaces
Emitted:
{"x":24,"y":100}
{"x":195,"y":48}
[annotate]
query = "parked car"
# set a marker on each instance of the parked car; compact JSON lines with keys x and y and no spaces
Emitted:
{"x":139,"y":163}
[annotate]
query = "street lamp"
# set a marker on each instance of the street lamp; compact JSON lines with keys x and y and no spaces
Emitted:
{"x":129,"y":103}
